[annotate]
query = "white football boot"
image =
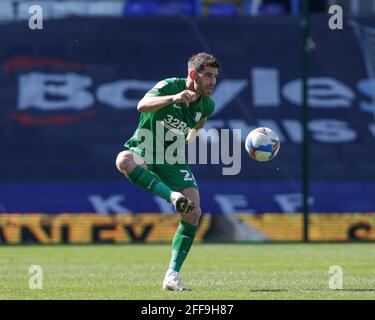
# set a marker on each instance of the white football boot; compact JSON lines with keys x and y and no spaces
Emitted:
{"x":181,"y":203}
{"x":173,"y":282}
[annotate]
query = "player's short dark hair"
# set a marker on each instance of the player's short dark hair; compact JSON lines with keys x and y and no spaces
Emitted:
{"x":201,"y":60}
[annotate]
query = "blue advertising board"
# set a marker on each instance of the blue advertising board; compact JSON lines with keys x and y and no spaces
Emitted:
{"x":68,"y":97}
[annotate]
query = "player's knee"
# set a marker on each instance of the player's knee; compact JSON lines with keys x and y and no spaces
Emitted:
{"x":125,"y":162}
{"x":196,"y":214}
{"x":192,"y":217}
{"x":197,"y":210}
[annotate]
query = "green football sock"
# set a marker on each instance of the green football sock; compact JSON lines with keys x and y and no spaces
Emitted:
{"x":151,"y":182}
{"x":181,"y":244}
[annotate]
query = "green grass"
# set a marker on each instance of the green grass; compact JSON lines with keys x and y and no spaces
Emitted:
{"x":213,"y":271}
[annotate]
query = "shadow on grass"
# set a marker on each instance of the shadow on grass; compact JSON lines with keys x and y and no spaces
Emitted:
{"x":360,"y":290}
{"x":269,"y":290}
{"x":302,"y":290}
{"x":342,"y":290}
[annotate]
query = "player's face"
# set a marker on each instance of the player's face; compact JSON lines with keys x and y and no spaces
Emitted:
{"x":205,"y":81}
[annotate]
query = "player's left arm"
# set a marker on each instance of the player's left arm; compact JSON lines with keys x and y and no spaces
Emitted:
{"x":193,"y":133}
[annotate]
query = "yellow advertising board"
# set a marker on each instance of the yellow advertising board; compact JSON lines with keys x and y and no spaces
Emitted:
{"x":86,"y":228}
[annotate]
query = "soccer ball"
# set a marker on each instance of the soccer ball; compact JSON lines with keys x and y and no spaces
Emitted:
{"x":262,"y":144}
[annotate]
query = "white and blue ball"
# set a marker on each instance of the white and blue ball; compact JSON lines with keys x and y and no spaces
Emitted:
{"x":262,"y":144}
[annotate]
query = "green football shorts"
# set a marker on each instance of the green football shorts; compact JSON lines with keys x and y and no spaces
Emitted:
{"x":175,"y":176}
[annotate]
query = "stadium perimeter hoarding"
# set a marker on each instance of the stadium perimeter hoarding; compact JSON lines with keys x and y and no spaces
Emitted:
{"x":87,"y":228}
{"x":68,"y":98}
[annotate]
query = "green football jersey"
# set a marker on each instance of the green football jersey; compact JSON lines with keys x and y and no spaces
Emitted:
{"x":178,"y":118}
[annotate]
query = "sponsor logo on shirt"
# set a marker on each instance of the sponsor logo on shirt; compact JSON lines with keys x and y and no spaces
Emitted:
{"x":173,"y":123}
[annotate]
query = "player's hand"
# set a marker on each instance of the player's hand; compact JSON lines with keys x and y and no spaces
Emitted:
{"x":186,"y":96}
{"x":192,"y":134}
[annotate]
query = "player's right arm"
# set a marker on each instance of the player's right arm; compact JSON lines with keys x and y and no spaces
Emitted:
{"x":194,"y":132}
{"x":152,"y":102}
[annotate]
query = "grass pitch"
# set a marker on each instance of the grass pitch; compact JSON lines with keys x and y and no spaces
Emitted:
{"x":213,"y":271}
